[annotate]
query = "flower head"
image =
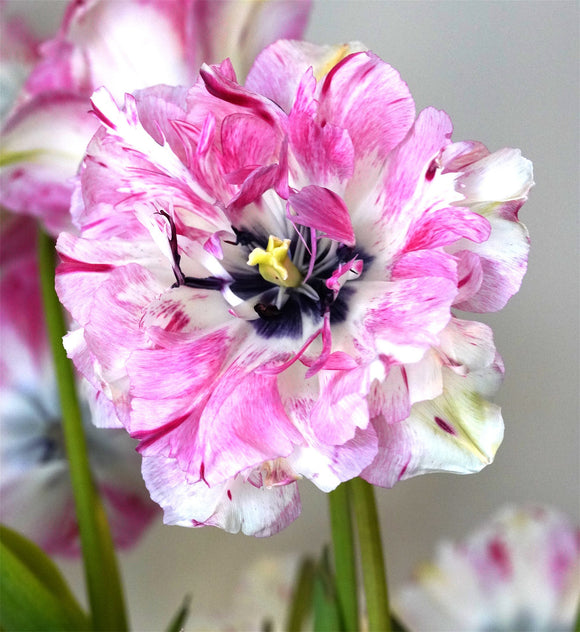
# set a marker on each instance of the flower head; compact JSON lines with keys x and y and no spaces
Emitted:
{"x":98,"y":44}
{"x":520,"y":571}
{"x":265,"y":277}
{"x":37,"y":497}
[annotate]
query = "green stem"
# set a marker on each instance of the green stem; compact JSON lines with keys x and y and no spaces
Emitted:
{"x":101,"y":572}
{"x":577,"y":623}
{"x":344,"y":556}
{"x":371,"y":552}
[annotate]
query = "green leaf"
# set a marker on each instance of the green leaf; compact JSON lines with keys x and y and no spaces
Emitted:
{"x":35,"y":596}
{"x":325,"y":599}
{"x":301,"y":603}
{"x":178,"y":622}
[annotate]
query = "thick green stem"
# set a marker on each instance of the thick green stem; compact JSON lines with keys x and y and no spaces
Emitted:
{"x":371,"y":552}
{"x":344,"y":556}
{"x":101,"y":572}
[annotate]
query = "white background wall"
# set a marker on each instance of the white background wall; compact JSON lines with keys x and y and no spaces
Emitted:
{"x":507,"y":73}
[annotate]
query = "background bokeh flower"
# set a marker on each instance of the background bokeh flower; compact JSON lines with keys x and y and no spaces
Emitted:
{"x":518,"y":571}
{"x":124,"y":46}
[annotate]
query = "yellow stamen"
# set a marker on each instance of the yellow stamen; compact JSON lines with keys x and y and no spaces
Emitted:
{"x":274,"y":263}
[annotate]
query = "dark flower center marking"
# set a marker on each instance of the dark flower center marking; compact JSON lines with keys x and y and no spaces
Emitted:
{"x":281,"y":308}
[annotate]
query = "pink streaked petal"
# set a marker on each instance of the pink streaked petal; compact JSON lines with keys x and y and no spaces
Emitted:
{"x":86,"y":265}
{"x":503,"y":260}
{"x":323,"y":151}
{"x":390,"y":397}
{"x":279,"y":68}
{"x":457,"y":156}
{"x":345,"y":272}
{"x":404,"y":318}
{"x":457,"y":432}
{"x":342,"y":405}
{"x":411,"y":187}
{"x":470,"y":276}
{"x":367,"y":97}
{"x":467,"y":343}
{"x":44,"y":142}
{"x":243,"y":423}
{"x":321,"y":209}
{"x":328,"y":466}
{"x":226,"y":89}
{"x":234,"y":505}
{"x":443,"y":226}
{"x":118,"y":307}
{"x":248,"y":141}
{"x":257,"y":183}
{"x":426,"y":264}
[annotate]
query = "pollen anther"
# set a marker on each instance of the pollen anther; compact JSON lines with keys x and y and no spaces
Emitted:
{"x":274,"y":263}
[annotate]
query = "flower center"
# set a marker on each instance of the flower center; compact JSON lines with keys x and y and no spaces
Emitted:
{"x":274,"y":263}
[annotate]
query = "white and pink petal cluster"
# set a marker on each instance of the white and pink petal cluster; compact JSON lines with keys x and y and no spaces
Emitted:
{"x":518,"y":571}
{"x":124,"y":46}
{"x":37,"y":496}
{"x":265,"y":282}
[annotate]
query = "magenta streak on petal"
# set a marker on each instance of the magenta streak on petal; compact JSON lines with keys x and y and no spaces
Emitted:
{"x":229,"y":494}
{"x":464,"y":279}
{"x":404,"y":469}
{"x":444,"y":425}
{"x":406,"y":382}
{"x":69,"y":265}
{"x":431,"y":170}
{"x":326,"y":346}
{"x":147,"y":437}
{"x":104,"y":119}
{"x":275,"y":370}
{"x":337,"y":361}
{"x":334,"y":70}
{"x":219,"y":89}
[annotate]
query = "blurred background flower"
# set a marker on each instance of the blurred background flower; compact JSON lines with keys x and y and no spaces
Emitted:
{"x":124,"y":46}
{"x":519,"y":571}
{"x":35,"y":483}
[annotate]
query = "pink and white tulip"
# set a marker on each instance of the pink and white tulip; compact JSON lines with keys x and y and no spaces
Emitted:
{"x":520,"y":571}
{"x":124,"y":46}
{"x":37,"y":497}
{"x":265,"y":278}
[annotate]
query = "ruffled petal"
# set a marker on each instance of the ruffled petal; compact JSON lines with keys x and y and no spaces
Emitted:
{"x":234,"y":505}
{"x":457,"y":431}
{"x":279,"y":68}
{"x":495,"y":186}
